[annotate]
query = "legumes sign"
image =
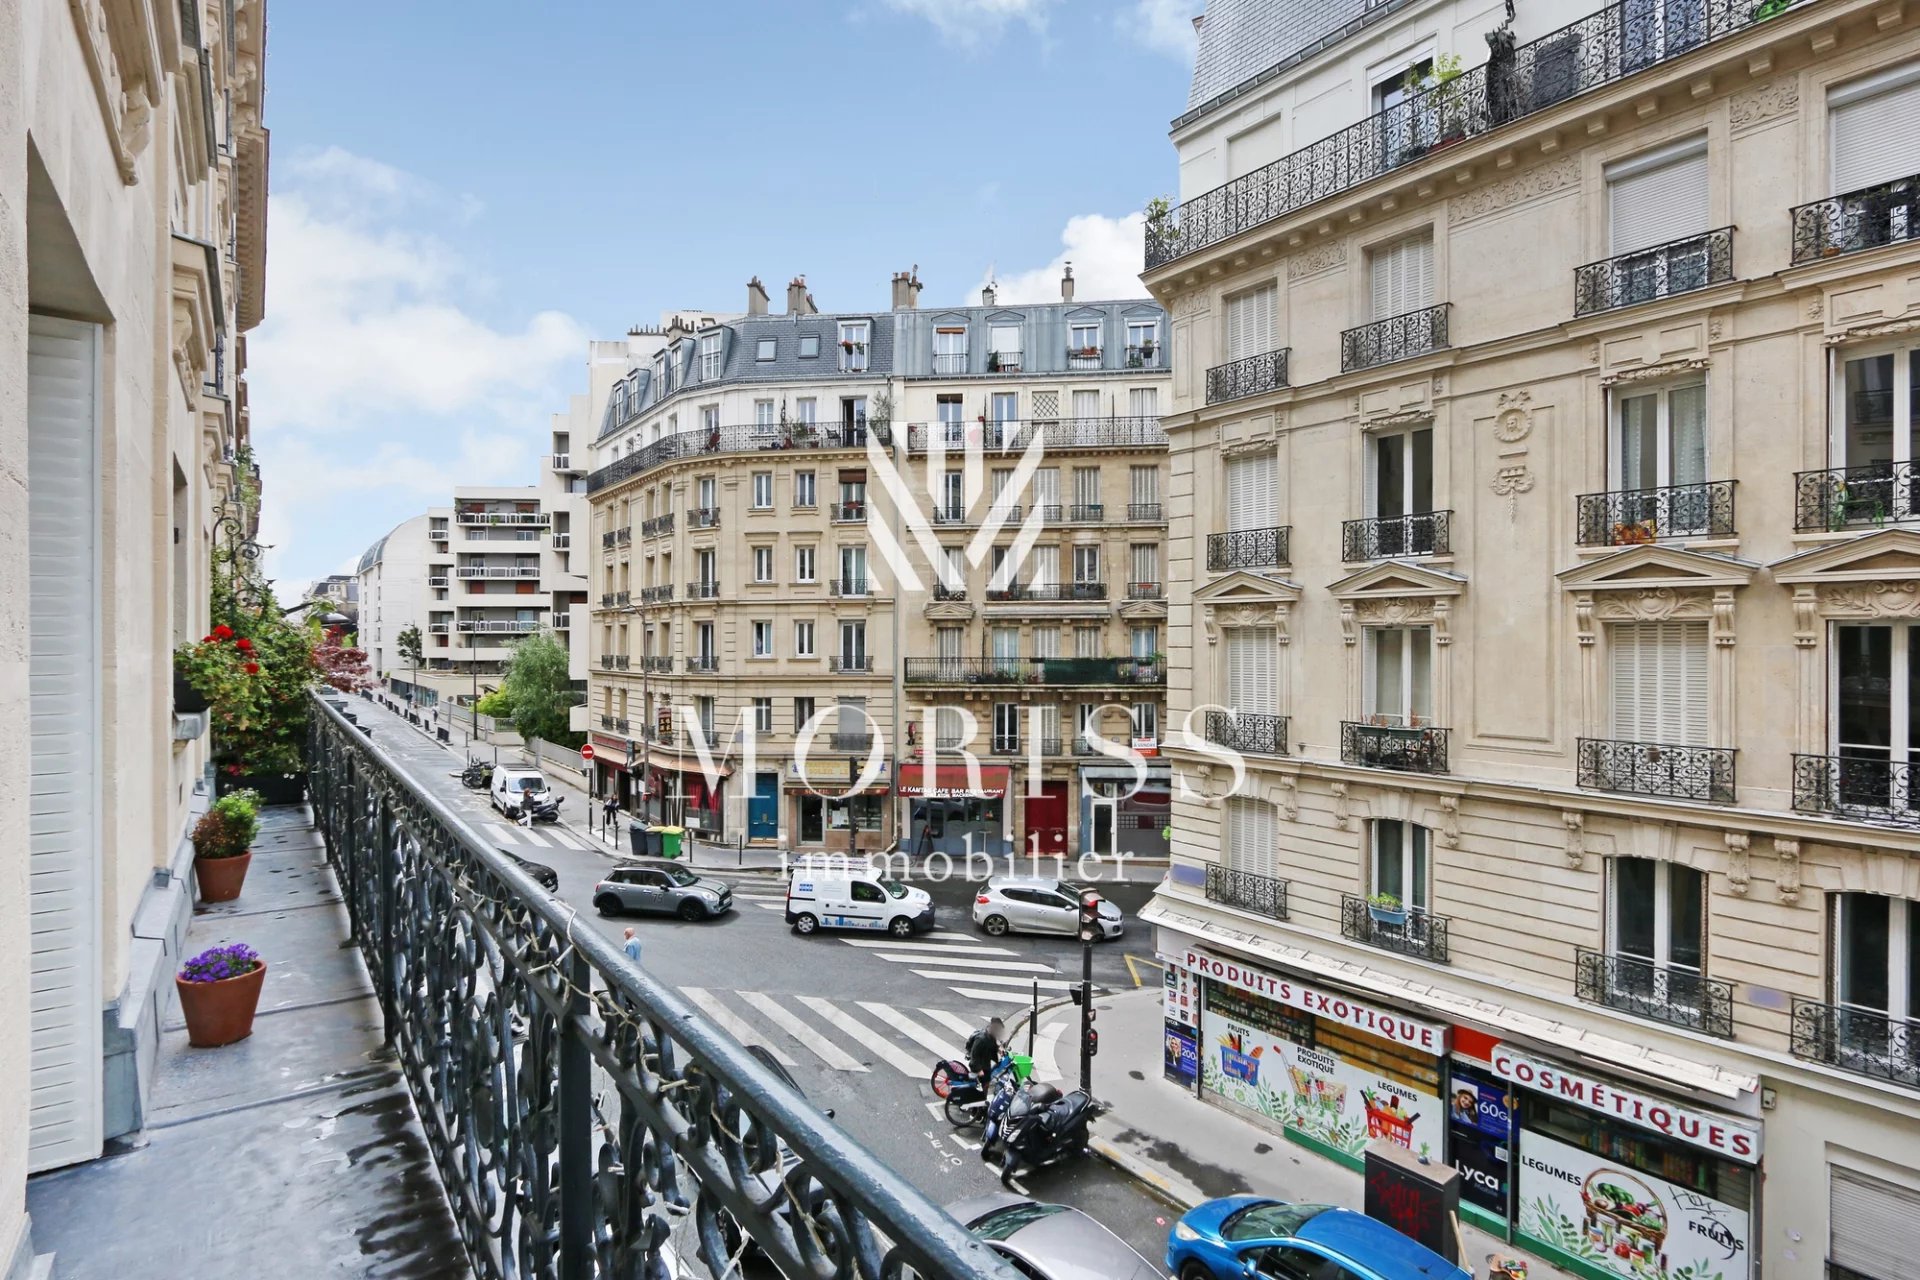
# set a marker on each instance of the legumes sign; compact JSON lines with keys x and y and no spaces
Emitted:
{"x":1385,"y":1023}
{"x":1724,"y":1135}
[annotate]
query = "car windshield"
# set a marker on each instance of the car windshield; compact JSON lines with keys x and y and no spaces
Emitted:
{"x":1002,"y":1223}
{"x":528,"y":782}
{"x":680,"y":876}
{"x":894,"y":888}
{"x":1270,"y":1220}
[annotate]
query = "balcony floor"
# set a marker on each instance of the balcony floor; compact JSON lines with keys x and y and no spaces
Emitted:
{"x":298,"y":1144}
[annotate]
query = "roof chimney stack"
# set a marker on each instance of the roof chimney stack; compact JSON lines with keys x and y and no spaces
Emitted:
{"x":913,"y":287}
{"x":988,"y":294}
{"x":799,"y":301}
{"x":901,"y":300}
{"x":1066,"y":284}
{"x":756,"y":297}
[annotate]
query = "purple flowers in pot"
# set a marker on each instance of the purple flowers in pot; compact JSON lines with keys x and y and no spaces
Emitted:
{"x":219,"y":963}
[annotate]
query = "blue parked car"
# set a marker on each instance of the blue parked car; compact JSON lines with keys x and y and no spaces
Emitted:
{"x":1254,"y":1238}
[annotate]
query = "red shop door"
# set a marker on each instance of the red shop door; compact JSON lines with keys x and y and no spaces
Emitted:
{"x":1047,"y":820}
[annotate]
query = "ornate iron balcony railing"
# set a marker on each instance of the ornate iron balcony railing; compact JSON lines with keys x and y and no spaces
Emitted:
{"x":1085,"y":512}
{"x":614,"y":724}
{"x":860,"y":742}
{"x":1263,"y":895}
{"x":1143,"y":355}
{"x":703,"y":518}
{"x":1247,"y":377}
{"x":703,"y":589}
{"x":1249,"y":548}
{"x":850,"y":663}
{"x":502,"y":1012}
{"x":1663,"y":271}
{"x":1629,"y":516}
{"x":1014,"y":434}
{"x":1842,"y":497}
{"x":1067,"y":671}
{"x":1624,"y":38}
{"x":1665,"y":993}
{"x":1414,"y":933}
{"x":1864,"y":788}
{"x":1704,"y":774}
{"x":1148,"y":512}
{"x":1146,"y":591}
{"x":1395,"y":338}
{"x":616,"y":537}
{"x":1391,"y":747}
{"x":660,"y":594}
{"x":1425,"y":533}
{"x":1864,"y":1041}
{"x":701,"y":664}
{"x":1863,"y":219}
{"x":1005,"y":744}
{"x":941,"y":591}
{"x":852,"y":588}
{"x":658,"y":663}
{"x":848,"y":512}
{"x":1251,"y":731}
{"x":657,"y":525}
{"x":737,"y":438}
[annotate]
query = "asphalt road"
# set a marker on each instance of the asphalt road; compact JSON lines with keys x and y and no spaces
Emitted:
{"x":858,"y":1021}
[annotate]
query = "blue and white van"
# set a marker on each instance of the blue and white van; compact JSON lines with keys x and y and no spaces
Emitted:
{"x":844,"y":898}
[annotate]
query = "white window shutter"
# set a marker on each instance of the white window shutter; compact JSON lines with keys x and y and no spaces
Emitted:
{"x":1250,"y":676}
{"x":1873,"y":135}
{"x":1251,"y":500}
{"x":1402,"y":276}
{"x":1874,"y":1227}
{"x":1250,"y":322}
{"x":1659,"y":678}
{"x":1656,"y":199}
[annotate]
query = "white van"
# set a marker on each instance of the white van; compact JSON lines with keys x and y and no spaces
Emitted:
{"x":851,"y":898}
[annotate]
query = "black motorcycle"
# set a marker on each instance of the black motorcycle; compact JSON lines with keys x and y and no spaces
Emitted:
{"x":476,"y":775}
{"x":1044,"y":1127}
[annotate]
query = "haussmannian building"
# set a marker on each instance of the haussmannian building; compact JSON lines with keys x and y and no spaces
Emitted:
{"x":1545,"y":540}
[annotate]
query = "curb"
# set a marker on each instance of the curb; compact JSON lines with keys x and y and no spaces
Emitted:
{"x":1176,"y":1191}
{"x":1020,"y":1019}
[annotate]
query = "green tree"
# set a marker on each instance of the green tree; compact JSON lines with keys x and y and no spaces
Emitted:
{"x":412,"y":651}
{"x":495,"y":703}
{"x":541,"y":690}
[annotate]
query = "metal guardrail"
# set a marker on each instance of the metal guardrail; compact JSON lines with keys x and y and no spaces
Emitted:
{"x":1662,"y":271}
{"x":1861,"y":788}
{"x":738,"y":438}
{"x":1867,"y":1042}
{"x":1248,"y":731}
{"x":1053,"y":433}
{"x":1262,"y":895}
{"x":1069,"y":671}
{"x":1703,"y":774}
{"x":1249,"y":548}
{"x":1402,"y":337}
{"x":569,"y":1097}
{"x":1657,"y":992}
{"x":1625,"y":517}
{"x":1424,"y":533}
{"x":1248,"y":377}
{"x":1865,"y":219}
{"x":1149,"y":512}
{"x":1417,"y":933}
{"x":1842,"y":497}
{"x":1393,"y":747}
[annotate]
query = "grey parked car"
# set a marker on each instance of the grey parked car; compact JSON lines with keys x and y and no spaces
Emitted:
{"x":1051,"y":1241}
{"x":664,"y":888}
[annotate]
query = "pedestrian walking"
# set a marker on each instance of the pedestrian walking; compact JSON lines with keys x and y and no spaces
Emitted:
{"x":631,"y":946}
{"x":611,"y":811}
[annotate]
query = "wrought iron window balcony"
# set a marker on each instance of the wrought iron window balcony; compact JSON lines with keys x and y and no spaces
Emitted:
{"x":1249,"y":548}
{"x":1402,"y":337}
{"x":613,"y":724}
{"x":703,"y":518}
{"x":954,"y":514}
{"x":658,"y":663}
{"x":615,"y":538}
{"x":1262,"y":895}
{"x":656,"y":595}
{"x":1248,"y":731}
{"x":1054,"y":434}
{"x":1007,"y":591}
{"x":1005,"y":361}
{"x":1083,"y":357}
{"x":1061,"y":592}
{"x":1424,"y":533}
{"x":941,"y":591}
{"x":1248,"y":377}
{"x":1413,"y":933}
{"x":1005,"y":744}
{"x":1866,"y":1042}
{"x":657,"y":525}
{"x":1704,"y":774}
{"x":621,"y":599}
{"x":1859,"y":787}
{"x":1422,"y":750}
{"x":1145,"y":591}
{"x":1663,"y":271}
{"x":1865,"y":219}
{"x":703,"y":589}
{"x":1677,"y":996}
{"x":949,"y":362}
{"x":1629,"y":516}
{"x":850,"y":664}
{"x":703,"y":664}
{"x":606,"y":662}
{"x":1876,"y":493}
{"x":1050,"y":512}
{"x":1066,"y":671}
{"x":1144,"y":355}
{"x":857,"y":742}
{"x":849,"y":512}
{"x":849,"y":587}
{"x":1083,"y":512}
{"x":1146,"y":512}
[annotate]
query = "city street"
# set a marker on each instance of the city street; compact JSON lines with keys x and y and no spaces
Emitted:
{"x":859,"y":1021}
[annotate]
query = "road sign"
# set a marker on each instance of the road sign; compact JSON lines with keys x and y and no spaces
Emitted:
{"x":586,"y":753}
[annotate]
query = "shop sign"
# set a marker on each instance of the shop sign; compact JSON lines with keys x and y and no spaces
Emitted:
{"x":1479,"y":1137}
{"x":1320,"y":1096}
{"x":821,"y":772}
{"x":1183,"y":1002}
{"x":1375,"y":1021}
{"x":1623,"y":1222}
{"x":1723,"y":1135}
{"x":1182,"y":1063}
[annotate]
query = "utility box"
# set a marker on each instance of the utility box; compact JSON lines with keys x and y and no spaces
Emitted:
{"x":1418,"y":1198}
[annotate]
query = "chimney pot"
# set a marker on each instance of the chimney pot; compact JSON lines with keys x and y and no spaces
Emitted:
{"x":1066,"y":284}
{"x":756,"y":297}
{"x":799,"y":303}
{"x":988,"y":294}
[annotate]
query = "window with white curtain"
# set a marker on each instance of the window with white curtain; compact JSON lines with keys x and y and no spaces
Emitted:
{"x":1660,"y":438}
{"x":1086,"y":642}
{"x":1046,"y":490}
{"x":1086,"y":565}
{"x":1146,"y":564}
{"x":1044,"y":561}
{"x":1657,"y":676}
{"x":1400,"y":276}
{"x":1143,"y":402}
{"x":1143,"y":486}
{"x":1252,"y":492}
{"x":1086,"y":404}
{"x":1250,"y":322}
{"x":1399,"y":676}
{"x":1251,"y":687}
{"x":1086,"y":490}
{"x":1871,"y":129}
{"x":1046,"y":642}
{"x":1250,"y":840}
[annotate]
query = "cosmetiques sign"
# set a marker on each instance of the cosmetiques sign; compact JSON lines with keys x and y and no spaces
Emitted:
{"x":1723,"y":1135}
{"x":1427,"y":1037}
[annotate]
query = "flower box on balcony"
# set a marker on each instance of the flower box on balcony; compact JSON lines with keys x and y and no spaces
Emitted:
{"x":1388,"y":910}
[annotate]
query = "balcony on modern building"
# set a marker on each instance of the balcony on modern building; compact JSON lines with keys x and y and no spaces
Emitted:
{"x":1248,"y":732}
{"x":1865,"y":219}
{"x":1044,"y":671}
{"x":699,"y":589}
{"x":439,"y":582}
{"x":561,"y":541}
{"x":1410,"y":931}
{"x":703,"y":664}
{"x":1146,"y":513}
{"x":1397,"y":747}
{"x":1674,"y":994}
{"x":1249,"y":548}
{"x":1626,"y":517}
{"x":1867,"y":1042}
{"x":563,"y":621}
{"x":616,"y":537}
{"x":850,"y":664}
{"x":1424,"y":533}
{"x":1663,"y":271}
{"x":437,"y":530}
{"x":1401,"y":337}
{"x":1864,"y":785}
{"x":563,"y":462}
{"x":703,"y":518}
{"x":659,"y":593}
{"x":1671,"y":772}
{"x":439,"y":628}
{"x":1262,"y":895}
{"x":1054,"y":434}
{"x":1146,"y":591}
{"x":1248,"y":377}
{"x":1875,"y":494}
{"x":521,"y":519}
{"x":654,"y":526}
{"x":498,"y":571}
{"x":1610,"y":45}
{"x":497,"y":626}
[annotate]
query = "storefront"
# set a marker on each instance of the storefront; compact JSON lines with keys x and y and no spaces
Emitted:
{"x":1121,"y":815}
{"x":678,"y":794}
{"x":951,"y":814}
{"x":610,"y":774}
{"x":824,"y":813}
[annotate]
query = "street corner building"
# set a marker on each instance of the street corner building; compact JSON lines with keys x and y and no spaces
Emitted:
{"x":1543,"y":538}
{"x":133,"y":189}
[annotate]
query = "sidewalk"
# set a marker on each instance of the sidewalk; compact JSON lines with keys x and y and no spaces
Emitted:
{"x":1186,"y":1150}
{"x":295,"y":1151}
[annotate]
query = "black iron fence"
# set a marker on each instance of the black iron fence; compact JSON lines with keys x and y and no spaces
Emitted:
{"x":574,"y":1104}
{"x":1248,"y":548}
{"x":703,"y":589}
{"x":1053,"y":433}
{"x":1248,"y":377}
{"x":1666,"y":993}
{"x":1248,"y":731}
{"x":659,"y":594}
{"x":1867,"y":1042}
{"x":1069,"y":671}
{"x":1871,"y":788}
{"x":1409,"y":931}
{"x":1704,"y":774}
{"x":1863,"y":219}
{"x":1145,"y":511}
{"x":1663,"y":271}
{"x":1395,"y":338}
{"x":1425,"y":533}
{"x":1843,"y":497}
{"x":1628,"y":516}
{"x":742,"y":438}
{"x":850,"y":663}
{"x":1393,"y":747}
{"x":1263,"y":895}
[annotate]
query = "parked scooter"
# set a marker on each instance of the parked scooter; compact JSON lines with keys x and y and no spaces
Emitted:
{"x":966,"y":1096}
{"x":1044,"y":1128}
{"x":999,"y":1100}
{"x":476,"y":775}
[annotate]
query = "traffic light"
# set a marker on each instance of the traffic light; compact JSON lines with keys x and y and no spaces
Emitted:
{"x":1074,"y":994}
{"x":1093,"y":1042}
{"x":1089,"y":916}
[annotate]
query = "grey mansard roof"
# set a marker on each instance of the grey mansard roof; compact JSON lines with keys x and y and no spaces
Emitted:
{"x":1247,"y":41}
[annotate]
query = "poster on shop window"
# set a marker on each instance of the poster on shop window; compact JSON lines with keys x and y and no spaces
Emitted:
{"x":1625,"y":1223}
{"x":1315,"y":1094}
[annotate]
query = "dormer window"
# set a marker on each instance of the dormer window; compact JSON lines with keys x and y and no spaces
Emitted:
{"x":709,"y":357}
{"x":853,"y":346}
{"x":809,"y":346}
{"x":767,"y":349}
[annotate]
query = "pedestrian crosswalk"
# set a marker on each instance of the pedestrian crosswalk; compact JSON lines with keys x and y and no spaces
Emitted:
{"x":544,"y":836}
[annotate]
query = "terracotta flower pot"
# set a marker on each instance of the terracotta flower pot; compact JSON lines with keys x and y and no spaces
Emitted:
{"x":220,"y":878}
{"x":221,"y":1012}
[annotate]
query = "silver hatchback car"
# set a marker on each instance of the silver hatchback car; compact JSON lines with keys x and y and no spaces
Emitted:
{"x":664,"y":888}
{"x":1038,"y":904}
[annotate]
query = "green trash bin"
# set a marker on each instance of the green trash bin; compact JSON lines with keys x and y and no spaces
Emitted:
{"x":670,"y":838}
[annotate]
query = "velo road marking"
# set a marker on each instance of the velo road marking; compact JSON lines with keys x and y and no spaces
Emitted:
{"x":827,"y":1051}
{"x":881,"y":1047}
{"x":734,"y":1026}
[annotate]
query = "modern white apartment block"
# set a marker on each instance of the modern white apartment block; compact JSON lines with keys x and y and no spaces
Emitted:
{"x":392,"y":578}
{"x":1542,"y":543}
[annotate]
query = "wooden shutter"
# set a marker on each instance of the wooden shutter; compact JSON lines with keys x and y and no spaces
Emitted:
{"x":1250,"y":676}
{"x":1873,"y":135}
{"x":1659,"y":682}
{"x":1874,"y":1228}
{"x":1402,"y":276}
{"x":1658,"y":197}
{"x":1251,"y":499}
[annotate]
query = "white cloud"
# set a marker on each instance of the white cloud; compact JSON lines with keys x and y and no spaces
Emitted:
{"x":971,"y":23}
{"x":1164,"y":26}
{"x":1106,"y":254}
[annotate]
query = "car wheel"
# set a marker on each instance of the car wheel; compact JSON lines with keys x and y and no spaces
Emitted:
{"x":900,"y":927}
{"x":607,"y":905}
{"x":996,"y":926}
{"x":804,"y":924}
{"x":691,"y":910}
{"x":1194,"y":1271}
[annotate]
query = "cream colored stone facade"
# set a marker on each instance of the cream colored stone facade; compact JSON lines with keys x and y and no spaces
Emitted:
{"x":1504,"y":745}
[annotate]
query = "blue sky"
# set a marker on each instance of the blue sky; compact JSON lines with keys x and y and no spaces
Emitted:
{"x":463,"y":194}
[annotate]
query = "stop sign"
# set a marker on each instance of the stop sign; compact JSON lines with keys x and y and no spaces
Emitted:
{"x":586,"y":752}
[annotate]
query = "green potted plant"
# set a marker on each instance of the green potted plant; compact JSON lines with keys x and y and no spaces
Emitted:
{"x":223,"y":845}
{"x":1387,"y":909}
{"x":219,"y":992}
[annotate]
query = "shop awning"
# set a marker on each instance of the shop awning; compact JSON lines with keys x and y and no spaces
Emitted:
{"x":950,"y":781}
{"x":609,"y":752}
{"x":673,"y":764}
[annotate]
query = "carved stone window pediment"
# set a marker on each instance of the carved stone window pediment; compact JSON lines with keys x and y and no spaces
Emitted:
{"x":1244,"y":599}
{"x":1396,"y":593}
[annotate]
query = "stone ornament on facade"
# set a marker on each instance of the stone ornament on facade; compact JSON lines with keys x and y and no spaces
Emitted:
{"x":1514,"y":420}
{"x":1534,"y":184}
{"x":1770,"y":101}
{"x":1655,"y":372}
{"x":1739,"y":876}
{"x":1449,"y":828}
{"x":1861,"y":333}
{"x":1576,"y":824}
{"x":1510,"y":483}
{"x":1287,"y":792}
{"x":1342,"y":806}
{"x":1318,"y":260}
{"x":1189,"y":304}
{"x":1787,"y":881}
{"x":1899,"y":598}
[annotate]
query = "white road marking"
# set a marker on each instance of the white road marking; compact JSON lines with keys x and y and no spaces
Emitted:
{"x":997,"y":966}
{"x":881,"y":1047}
{"x":1046,"y":1062}
{"x":953,"y":1020}
{"x":768,"y":906}
{"x":938,"y":1045}
{"x":736,"y":1027}
{"x":895,"y":945}
{"x":990,"y":980}
{"x":826,"y":1050}
{"x":1005,"y":997}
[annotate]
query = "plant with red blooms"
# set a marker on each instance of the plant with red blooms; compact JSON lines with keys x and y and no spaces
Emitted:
{"x":256,"y":687}
{"x":341,"y":665}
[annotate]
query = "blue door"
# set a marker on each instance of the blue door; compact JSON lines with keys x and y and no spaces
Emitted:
{"x":763,"y":807}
